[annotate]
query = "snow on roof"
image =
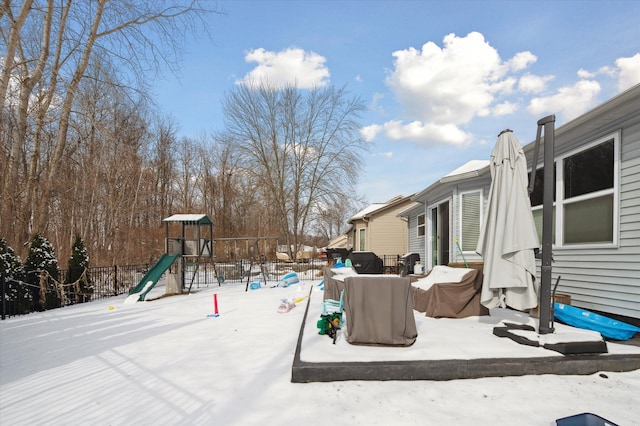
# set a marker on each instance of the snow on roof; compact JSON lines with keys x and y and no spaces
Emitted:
{"x":469,"y":166}
{"x":367,"y":210}
{"x":201,"y":219}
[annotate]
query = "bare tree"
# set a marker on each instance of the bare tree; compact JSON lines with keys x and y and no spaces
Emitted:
{"x":51,"y":46}
{"x":300,"y":147}
{"x":163,"y":164}
{"x":131,"y":25}
{"x":332,"y":218}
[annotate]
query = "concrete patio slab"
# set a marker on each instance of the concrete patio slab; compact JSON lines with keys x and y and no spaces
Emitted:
{"x":447,"y":349}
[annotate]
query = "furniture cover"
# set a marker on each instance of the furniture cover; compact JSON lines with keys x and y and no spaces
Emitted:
{"x":366,"y":262}
{"x":379,"y":310}
{"x":334,"y":281}
{"x":451,"y":299}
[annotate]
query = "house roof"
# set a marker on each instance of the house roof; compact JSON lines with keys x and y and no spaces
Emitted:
{"x":366,"y":211}
{"x":415,"y":207}
{"x":341,"y":241}
{"x":190,"y":219}
{"x":379,"y":207}
{"x":470,"y":169}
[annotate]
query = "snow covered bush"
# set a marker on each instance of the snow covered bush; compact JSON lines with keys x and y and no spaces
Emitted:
{"x":78,"y":264}
{"x":41,"y":259}
{"x":17,"y":292}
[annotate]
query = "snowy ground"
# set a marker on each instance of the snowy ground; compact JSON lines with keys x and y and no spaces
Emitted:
{"x":165,"y":361}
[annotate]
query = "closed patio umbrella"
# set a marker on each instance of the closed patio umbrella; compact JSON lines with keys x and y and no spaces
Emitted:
{"x":508,"y":235}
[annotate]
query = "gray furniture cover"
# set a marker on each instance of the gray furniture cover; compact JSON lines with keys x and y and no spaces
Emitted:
{"x":379,"y":310}
{"x":452,"y":300}
{"x":334,"y":281}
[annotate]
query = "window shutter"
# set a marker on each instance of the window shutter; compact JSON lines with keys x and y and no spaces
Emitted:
{"x":470,"y":220}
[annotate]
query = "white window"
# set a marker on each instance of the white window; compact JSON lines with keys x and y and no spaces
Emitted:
{"x":470,"y":219}
{"x":362,"y":242}
{"x":421,"y":227}
{"x":585,"y":195}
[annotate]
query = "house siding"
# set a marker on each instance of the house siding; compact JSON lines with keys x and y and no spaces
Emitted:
{"x":605,"y":278}
{"x":449,"y":191}
{"x":390,"y":236}
{"x":416,"y":244}
{"x":608,"y":279}
{"x":386,"y":232}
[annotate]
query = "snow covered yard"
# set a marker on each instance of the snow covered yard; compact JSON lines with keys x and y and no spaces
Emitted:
{"x":164,"y":361}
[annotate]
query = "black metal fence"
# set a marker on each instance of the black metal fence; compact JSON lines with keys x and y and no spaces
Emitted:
{"x":391,"y":264}
{"x":19,"y":297}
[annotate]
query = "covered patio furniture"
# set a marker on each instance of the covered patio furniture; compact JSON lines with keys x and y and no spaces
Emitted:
{"x":334,"y":281}
{"x":449,"y":293}
{"x":379,"y":310}
{"x":366,"y":262}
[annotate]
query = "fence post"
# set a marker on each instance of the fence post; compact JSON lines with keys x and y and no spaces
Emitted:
{"x":115,"y":280}
{"x":4,"y":298}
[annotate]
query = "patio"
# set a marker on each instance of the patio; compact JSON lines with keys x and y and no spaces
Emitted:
{"x":448,"y":349}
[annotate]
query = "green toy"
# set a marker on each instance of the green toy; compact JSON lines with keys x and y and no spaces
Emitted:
{"x":329,"y":324}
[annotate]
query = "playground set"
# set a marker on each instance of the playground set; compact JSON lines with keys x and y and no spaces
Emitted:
{"x":188,"y":240}
{"x":188,"y":246}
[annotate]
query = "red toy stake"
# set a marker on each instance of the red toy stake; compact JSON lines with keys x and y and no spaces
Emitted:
{"x":215,"y":305}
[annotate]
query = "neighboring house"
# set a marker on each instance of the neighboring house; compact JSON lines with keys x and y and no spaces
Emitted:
{"x":379,"y":229}
{"x":341,"y":241}
{"x":304,"y":253}
{"x":596,"y":248}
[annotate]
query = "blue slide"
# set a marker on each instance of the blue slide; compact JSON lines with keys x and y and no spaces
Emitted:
{"x":153,"y":275}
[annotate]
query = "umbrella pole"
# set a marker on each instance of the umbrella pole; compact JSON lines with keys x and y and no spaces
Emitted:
{"x":546,"y":312}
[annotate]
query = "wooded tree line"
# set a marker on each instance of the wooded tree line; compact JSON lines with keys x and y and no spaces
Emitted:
{"x":84,"y":152}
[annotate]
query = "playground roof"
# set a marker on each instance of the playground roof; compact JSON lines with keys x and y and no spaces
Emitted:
{"x":190,"y":219}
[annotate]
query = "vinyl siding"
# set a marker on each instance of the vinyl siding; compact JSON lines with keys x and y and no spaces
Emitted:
{"x":608,"y":279}
{"x":388,"y":232}
{"x":603,"y":279}
{"x":416,"y":243}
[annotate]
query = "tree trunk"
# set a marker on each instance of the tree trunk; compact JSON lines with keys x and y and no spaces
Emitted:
{"x":65,"y":112}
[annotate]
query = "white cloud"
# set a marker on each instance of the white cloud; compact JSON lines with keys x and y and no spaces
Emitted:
{"x":375,"y":104}
{"x":569,"y":101}
{"x":503,"y":86}
{"x":586,"y":74}
{"x":441,"y":89}
{"x":369,"y":133}
{"x":447,"y":85}
{"x":629,"y":71}
{"x":505,"y":108}
{"x":292,"y":66}
{"x":521,"y":61}
{"x":530,"y":83}
{"x":423,"y":133}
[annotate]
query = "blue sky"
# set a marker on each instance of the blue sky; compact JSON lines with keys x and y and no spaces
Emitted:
{"x":440,"y":79}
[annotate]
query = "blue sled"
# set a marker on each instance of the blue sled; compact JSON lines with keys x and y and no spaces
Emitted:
{"x":606,"y":326}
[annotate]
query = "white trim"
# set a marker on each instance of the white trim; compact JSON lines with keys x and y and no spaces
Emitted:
{"x":423,"y":226}
{"x":560,"y":202}
{"x":359,"y":232}
{"x":429,"y":239}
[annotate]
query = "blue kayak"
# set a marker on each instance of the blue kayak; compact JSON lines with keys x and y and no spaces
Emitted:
{"x":581,"y":318}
